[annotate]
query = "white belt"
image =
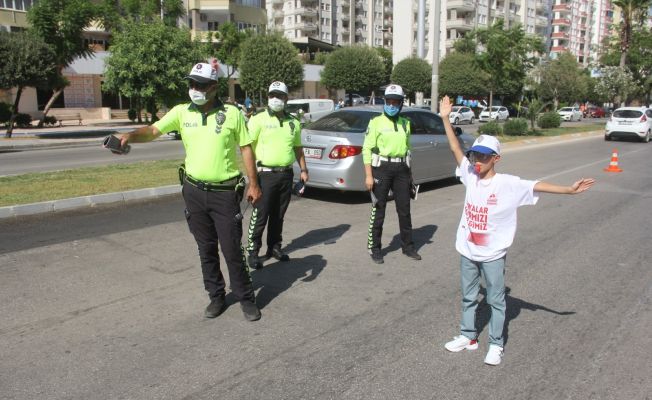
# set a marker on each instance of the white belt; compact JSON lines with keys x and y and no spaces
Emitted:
{"x":391,"y":159}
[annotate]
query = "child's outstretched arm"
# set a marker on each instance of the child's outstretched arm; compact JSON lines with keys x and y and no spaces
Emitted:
{"x":445,"y":108}
{"x":577,"y":187}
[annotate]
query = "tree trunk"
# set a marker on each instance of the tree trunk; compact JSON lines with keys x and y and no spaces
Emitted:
{"x":491,"y":100}
{"x":53,"y":98}
{"x":14,"y":112}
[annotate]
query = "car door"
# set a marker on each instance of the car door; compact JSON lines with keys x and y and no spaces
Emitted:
{"x":422,"y":145}
{"x":438,"y":161}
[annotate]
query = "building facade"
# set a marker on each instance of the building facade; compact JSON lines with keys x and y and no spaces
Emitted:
{"x":206,"y":16}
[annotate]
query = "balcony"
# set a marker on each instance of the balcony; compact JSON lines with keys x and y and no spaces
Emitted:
{"x":460,"y":24}
{"x":541,"y":5}
{"x":345,"y":3}
{"x":345,"y":17}
{"x":278,"y":14}
{"x":561,"y":22}
{"x":462,"y":5}
{"x":559,"y":35}
{"x":558,"y":49}
{"x":306,"y":26}
{"x":306,"y":12}
{"x":563,"y":8}
{"x":345,"y":30}
{"x":541,"y":21}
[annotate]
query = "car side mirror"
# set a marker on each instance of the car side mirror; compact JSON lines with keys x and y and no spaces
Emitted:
{"x":458,"y":131}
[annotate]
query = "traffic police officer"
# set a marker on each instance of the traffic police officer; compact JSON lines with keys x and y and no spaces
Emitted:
{"x":212,"y":186}
{"x":385,"y":154}
{"x":277,"y":143}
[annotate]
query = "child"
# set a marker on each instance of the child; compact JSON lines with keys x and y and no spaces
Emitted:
{"x":487,"y":229}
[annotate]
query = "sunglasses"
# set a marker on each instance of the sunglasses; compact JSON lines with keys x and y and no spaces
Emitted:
{"x":199,"y":86}
{"x":481,"y":157}
{"x":276,"y":95}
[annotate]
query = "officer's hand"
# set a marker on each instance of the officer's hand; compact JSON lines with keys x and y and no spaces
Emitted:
{"x":369,"y":182}
{"x":254,"y":194}
{"x":304,"y":177}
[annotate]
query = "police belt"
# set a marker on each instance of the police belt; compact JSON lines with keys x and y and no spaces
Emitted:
{"x":224,"y":186}
{"x":265,"y":168}
{"x":391,"y":159}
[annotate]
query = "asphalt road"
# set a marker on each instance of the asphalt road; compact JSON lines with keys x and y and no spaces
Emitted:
{"x":107,"y":303}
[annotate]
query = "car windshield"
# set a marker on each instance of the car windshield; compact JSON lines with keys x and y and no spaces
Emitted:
{"x":627,"y":114}
{"x":344,"y":121}
{"x":293,"y":108}
{"x":495,"y":108}
{"x":456,"y":109}
{"x":566,"y":109}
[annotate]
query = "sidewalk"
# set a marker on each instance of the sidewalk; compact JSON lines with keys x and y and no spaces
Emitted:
{"x":88,"y":135}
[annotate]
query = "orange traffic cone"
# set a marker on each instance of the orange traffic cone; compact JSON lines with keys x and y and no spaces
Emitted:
{"x":613,"y":165}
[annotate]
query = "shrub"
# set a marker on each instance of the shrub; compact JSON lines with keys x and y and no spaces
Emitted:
{"x":50,"y":120}
{"x":23,"y":120}
{"x":549,"y":119}
{"x":515,"y":127}
{"x":5,"y":112}
{"x":132,"y":114}
{"x":492,"y":128}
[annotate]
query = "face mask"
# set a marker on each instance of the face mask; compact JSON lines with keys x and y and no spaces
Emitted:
{"x":197,"y":97}
{"x":391,"y":110}
{"x":275,"y":104}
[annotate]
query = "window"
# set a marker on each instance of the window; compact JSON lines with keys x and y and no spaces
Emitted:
{"x":212,"y":25}
{"x":432,"y":124}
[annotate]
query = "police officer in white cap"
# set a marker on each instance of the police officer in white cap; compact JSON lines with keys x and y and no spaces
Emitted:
{"x":385,"y":154}
{"x":212,"y":183}
{"x":276,"y":137}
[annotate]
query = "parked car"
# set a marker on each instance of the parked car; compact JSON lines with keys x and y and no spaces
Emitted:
{"x":375,"y":99}
{"x":570,"y":114}
{"x":461,"y":114}
{"x":498,"y":113}
{"x":308,"y":110}
{"x":333,"y":147}
{"x":357,"y":100}
{"x":594,"y":112}
{"x":630,"y":122}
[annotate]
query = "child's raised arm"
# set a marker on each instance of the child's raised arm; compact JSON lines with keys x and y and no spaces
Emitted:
{"x":577,"y":187}
{"x":445,"y":108}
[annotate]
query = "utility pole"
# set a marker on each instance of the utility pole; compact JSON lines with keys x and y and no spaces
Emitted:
{"x":421,"y":33}
{"x":161,"y":10}
{"x":434,"y":91}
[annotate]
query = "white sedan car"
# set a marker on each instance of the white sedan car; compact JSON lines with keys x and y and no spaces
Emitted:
{"x":630,"y":122}
{"x":570,"y":114}
{"x":460,"y":114}
{"x":498,"y":113}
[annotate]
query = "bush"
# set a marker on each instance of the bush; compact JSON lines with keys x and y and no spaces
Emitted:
{"x":492,"y":128}
{"x":515,"y":127}
{"x":50,"y":120}
{"x":5,"y":112}
{"x":132,"y":114}
{"x":549,"y":119}
{"x":23,"y":120}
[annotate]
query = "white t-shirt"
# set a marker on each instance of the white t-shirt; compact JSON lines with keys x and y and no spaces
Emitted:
{"x":488,"y":222}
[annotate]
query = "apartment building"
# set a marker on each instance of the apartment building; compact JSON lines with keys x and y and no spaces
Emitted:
{"x":206,"y":16}
{"x":13,"y":14}
{"x":338,"y":22}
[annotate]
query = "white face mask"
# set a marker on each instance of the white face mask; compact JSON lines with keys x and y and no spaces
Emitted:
{"x":197,"y":97}
{"x":275,"y":104}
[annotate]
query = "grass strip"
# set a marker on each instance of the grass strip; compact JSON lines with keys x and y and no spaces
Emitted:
{"x":46,"y":186}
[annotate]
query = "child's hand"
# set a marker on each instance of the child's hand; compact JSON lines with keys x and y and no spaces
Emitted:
{"x":445,"y":107}
{"x":582,"y":185}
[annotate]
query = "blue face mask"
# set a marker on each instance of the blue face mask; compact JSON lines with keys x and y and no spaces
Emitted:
{"x":391,"y":110}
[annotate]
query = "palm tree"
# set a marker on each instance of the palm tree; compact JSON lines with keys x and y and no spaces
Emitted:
{"x":633,"y":12}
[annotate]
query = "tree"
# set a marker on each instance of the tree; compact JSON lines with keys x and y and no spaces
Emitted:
{"x":354,"y":69}
{"x":26,"y":62}
{"x":465,"y":44}
{"x":60,"y":24}
{"x":505,"y":57}
{"x":388,"y":63}
{"x":413,"y":74}
{"x":228,"y":51}
{"x":535,"y":107}
{"x":149,"y":62}
{"x":561,"y":79}
{"x":269,"y":58}
{"x":633,"y":13}
{"x":615,"y":83}
{"x":458,"y":76}
{"x":114,"y":11}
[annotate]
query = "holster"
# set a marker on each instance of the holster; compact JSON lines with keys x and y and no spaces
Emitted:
{"x":182,"y":173}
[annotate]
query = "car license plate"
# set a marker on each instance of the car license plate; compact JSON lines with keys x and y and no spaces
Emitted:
{"x":311,"y":152}
{"x":624,"y":122}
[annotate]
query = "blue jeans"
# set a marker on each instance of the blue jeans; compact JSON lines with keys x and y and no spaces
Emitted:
{"x":494,"y":276}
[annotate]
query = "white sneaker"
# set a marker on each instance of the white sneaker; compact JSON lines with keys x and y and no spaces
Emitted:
{"x":460,"y":343}
{"x":494,"y":355}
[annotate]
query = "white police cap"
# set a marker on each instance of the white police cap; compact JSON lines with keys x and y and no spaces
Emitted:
{"x":203,"y":73}
{"x":394,"y":92}
{"x":278,"y":87}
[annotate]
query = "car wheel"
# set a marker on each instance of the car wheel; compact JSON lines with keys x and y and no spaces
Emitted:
{"x":457,"y":121}
{"x":607,"y":138}
{"x":646,"y":139}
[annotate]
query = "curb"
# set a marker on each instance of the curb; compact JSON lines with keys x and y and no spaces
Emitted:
{"x":86,"y":201}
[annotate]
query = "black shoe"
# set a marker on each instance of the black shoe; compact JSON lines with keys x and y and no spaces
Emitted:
{"x":277,"y":253}
{"x":412,"y":254}
{"x":376,"y":256}
{"x":254,"y":262}
{"x":215,"y":308}
{"x":250,"y":310}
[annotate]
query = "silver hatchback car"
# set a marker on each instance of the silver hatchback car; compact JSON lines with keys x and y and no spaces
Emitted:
{"x":333,"y":147}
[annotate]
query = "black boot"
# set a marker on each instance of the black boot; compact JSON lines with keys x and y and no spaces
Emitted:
{"x":253,"y":261}
{"x":250,"y":310}
{"x":278,"y":254}
{"x":377,"y":256}
{"x":215,"y":308}
{"x":410,"y":252}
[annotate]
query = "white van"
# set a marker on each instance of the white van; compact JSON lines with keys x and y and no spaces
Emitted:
{"x":308,"y":110}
